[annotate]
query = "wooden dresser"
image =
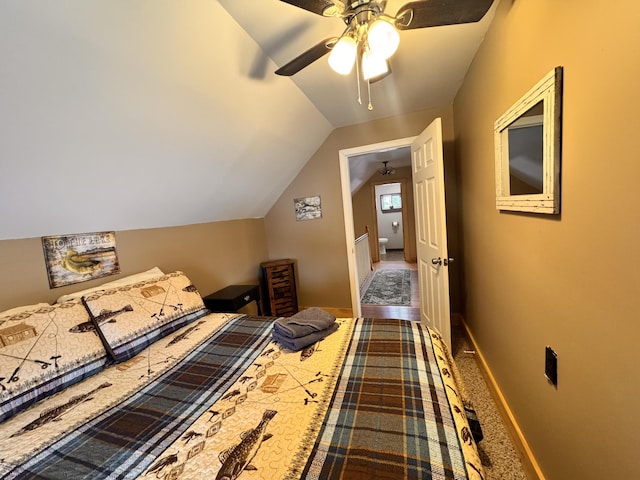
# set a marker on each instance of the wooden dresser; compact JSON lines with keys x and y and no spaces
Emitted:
{"x":279,"y":288}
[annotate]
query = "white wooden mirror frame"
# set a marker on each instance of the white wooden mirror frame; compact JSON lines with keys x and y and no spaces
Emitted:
{"x":549,"y":91}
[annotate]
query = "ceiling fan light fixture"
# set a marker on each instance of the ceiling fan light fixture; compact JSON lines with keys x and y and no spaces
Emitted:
{"x":372,"y":36}
{"x":383,"y":39}
{"x":343,"y":55}
{"x":385,"y":170}
{"x":373,"y":65}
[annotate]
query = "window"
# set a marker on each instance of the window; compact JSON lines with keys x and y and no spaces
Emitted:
{"x":390,"y":202}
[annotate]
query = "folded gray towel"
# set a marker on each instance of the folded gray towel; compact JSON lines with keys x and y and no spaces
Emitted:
{"x":282,"y":328}
{"x":304,"y":322}
{"x":299,"y":343}
{"x":313,"y":317}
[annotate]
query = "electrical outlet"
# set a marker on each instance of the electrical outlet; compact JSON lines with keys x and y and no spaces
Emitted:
{"x":551,"y":365}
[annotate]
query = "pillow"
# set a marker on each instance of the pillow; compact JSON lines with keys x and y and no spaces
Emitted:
{"x":131,"y":279}
{"x":132,"y":317}
{"x":43,"y":350}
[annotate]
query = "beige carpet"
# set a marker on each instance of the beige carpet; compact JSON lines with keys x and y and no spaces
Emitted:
{"x":499,"y":457}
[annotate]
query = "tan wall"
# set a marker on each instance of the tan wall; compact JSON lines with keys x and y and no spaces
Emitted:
{"x":571,"y":280}
{"x":364,"y":211}
{"x":212,"y":255}
{"x":319,"y":245}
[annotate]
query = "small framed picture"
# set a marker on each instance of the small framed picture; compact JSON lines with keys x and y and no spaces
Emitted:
{"x":80,"y":257}
{"x":308,"y":208}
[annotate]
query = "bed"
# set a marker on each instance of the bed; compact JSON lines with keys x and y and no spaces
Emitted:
{"x":155,"y":386}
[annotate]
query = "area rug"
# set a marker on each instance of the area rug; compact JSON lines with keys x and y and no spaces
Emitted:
{"x":389,"y":287}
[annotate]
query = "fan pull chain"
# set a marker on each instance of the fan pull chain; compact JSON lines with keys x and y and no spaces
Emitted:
{"x":370,"y":106}
{"x":358,"y":81}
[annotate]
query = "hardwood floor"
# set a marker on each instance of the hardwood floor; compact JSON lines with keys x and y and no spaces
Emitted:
{"x":394,"y":260}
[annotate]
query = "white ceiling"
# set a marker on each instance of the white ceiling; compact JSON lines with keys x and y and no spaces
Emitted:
{"x":362,"y":167}
{"x":119,"y":115}
{"x":428,"y":68}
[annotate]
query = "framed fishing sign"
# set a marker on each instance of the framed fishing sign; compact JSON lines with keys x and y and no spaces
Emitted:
{"x":80,"y":257}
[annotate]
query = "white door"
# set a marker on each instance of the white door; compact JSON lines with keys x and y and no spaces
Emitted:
{"x":431,"y":229}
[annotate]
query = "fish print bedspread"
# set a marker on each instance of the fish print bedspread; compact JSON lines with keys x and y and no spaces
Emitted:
{"x":219,"y":399}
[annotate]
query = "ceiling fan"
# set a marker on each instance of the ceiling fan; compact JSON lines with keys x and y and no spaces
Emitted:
{"x":386,"y":170}
{"x":371,"y":35}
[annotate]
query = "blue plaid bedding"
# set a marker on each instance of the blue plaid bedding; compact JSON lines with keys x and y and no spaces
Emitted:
{"x":374,"y":400}
{"x":390,"y":416}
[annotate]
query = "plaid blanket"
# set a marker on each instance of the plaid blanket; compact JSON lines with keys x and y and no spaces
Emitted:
{"x":390,"y":416}
{"x":373,"y":400}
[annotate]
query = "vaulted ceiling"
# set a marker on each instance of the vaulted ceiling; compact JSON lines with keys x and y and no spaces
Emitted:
{"x":428,"y":67}
{"x":118,"y":115}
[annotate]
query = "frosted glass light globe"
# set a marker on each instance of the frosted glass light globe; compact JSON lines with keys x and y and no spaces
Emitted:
{"x":383,"y":39}
{"x":373,"y":65}
{"x":343,"y":55}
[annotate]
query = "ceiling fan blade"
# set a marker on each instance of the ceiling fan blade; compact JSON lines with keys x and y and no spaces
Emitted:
{"x":434,"y":13}
{"x":321,"y":7}
{"x":307,"y":58}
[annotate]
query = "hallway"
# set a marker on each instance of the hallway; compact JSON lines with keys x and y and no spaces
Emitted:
{"x":394,"y":259}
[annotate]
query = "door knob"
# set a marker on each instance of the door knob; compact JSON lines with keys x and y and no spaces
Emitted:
{"x":448,"y":261}
{"x":436,"y":261}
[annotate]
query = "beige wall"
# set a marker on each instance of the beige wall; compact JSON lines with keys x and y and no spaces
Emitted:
{"x":319,"y":245}
{"x":212,"y":255}
{"x":571,"y":280}
{"x":364,"y":210}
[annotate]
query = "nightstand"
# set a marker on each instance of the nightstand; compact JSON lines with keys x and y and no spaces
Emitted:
{"x":233,"y":297}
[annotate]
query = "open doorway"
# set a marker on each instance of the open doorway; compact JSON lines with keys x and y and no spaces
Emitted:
{"x":389,"y":204}
{"x":359,"y":170}
{"x":391,"y":291}
{"x":427,"y":152}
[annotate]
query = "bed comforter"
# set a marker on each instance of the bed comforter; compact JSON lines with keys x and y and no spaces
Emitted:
{"x":220,"y":399}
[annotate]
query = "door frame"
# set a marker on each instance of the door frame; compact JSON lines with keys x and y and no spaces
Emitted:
{"x":347,"y":206}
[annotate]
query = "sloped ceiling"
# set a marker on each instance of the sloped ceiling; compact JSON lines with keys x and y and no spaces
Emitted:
{"x":362,"y":167}
{"x":118,"y":114}
{"x":428,"y":68}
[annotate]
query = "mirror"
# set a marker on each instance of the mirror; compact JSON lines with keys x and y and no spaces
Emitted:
{"x":527,"y":142}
